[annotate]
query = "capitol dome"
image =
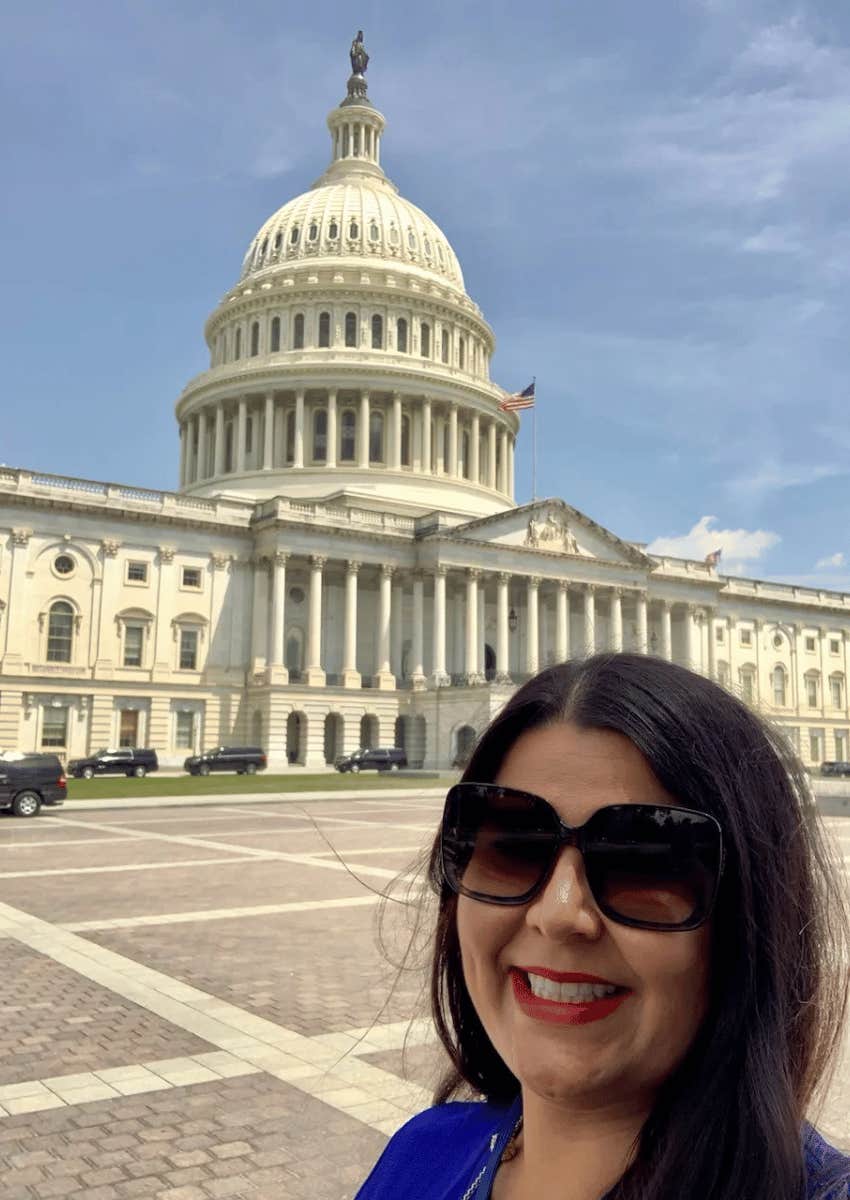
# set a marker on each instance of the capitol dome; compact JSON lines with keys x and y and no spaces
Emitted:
{"x":349,"y":357}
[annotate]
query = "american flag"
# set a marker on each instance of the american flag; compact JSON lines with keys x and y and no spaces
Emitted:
{"x":523,"y":399}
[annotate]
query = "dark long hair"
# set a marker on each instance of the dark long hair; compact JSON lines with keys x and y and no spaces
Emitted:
{"x":727,"y":1123}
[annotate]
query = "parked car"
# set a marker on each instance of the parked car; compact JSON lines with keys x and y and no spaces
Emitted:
{"x":244,"y":760}
{"x":125,"y":761}
{"x":835,"y":768}
{"x":30,"y":780}
{"x":390,"y":758}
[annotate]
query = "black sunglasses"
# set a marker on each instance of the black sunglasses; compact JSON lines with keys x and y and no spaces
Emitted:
{"x":651,"y":866}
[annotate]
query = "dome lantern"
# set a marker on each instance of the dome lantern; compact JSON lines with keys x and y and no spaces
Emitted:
{"x":355,"y":125}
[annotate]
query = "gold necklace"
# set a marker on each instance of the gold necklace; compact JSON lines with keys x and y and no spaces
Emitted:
{"x":512,"y":1149}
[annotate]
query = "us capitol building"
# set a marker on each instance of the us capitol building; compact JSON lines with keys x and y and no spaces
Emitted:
{"x":343,"y":563}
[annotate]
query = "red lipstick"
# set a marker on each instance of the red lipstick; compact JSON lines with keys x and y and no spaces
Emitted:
{"x":564,"y":1012}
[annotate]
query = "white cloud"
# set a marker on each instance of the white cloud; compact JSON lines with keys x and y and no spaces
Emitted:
{"x":739,"y":546}
{"x":831,"y":560}
{"x":776,"y":476}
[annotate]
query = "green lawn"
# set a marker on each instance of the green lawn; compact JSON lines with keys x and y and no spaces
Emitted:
{"x":111,"y":787}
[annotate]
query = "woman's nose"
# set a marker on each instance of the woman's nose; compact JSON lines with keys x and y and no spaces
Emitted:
{"x":565,"y":905}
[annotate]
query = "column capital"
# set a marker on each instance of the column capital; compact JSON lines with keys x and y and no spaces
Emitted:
{"x":281,"y":558}
{"x":534,"y":581}
{"x":387,"y":570}
{"x":365,"y":393}
{"x":300,"y":393}
{"x":663,"y":604}
{"x":589,"y":588}
{"x":352,"y":566}
{"x":397,"y":396}
{"x":504,"y":576}
{"x":220,"y":560}
{"x":110,"y":546}
{"x":166,"y":554}
{"x":270,"y":394}
{"x":441,"y":569}
{"x":563,"y":585}
{"x":332,"y":393}
{"x":473,"y":573}
{"x":318,"y":561}
{"x":259,"y":562}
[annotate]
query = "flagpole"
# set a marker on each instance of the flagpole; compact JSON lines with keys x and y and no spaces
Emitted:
{"x":534,"y":442}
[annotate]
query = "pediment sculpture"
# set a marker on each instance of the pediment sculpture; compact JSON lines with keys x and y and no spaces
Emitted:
{"x":552,"y":532}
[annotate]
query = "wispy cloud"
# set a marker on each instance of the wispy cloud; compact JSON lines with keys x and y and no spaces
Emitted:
{"x":831,"y":561}
{"x":775,"y":476}
{"x":739,"y":546}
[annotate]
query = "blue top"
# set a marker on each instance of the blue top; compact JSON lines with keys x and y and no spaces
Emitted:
{"x":441,"y":1153}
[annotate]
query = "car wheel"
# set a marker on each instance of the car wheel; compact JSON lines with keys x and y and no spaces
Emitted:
{"x":140,"y":772}
{"x":394,"y":767}
{"x":251,"y":769}
{"x":355,"y":769}
{"x":26,"y":804}
{"x":87,"y":772}
{"x":204,"y":769}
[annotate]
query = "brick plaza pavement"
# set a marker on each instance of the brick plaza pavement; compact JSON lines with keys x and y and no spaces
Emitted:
{"x":196,"y":1007}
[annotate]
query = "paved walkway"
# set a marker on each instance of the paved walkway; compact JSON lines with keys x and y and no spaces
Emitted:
{"x":195,"y":1005}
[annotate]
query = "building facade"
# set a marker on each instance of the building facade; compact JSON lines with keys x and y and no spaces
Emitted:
{"x":343,"y":563}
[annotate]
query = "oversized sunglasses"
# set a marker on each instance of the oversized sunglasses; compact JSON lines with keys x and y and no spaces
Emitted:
{"x":651,"y":866}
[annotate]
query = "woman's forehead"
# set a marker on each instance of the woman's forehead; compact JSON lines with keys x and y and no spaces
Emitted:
{"x":580,"y":769}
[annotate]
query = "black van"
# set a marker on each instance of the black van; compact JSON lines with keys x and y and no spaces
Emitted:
{"x":30,"y":781}
{"x":391,"y":758}
{"x":125,"y":761}
{"x":244,"y":760}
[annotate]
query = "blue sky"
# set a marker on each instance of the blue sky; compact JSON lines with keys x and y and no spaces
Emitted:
{"x":650,"y":202}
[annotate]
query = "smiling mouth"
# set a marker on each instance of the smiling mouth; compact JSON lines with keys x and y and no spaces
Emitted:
{"x":542,"y":987}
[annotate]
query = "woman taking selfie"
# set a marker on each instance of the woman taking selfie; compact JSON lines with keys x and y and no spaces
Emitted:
{"x":640,"y":958}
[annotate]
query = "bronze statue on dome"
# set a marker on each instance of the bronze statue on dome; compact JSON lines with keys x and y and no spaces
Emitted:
{"x":358,"y":55}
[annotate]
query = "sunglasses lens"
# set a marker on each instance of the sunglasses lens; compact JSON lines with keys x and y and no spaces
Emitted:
{"x":494,"y":844}
{"x":652,"y":865}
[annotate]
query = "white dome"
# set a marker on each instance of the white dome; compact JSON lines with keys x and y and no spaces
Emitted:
{"x":359,"y":217}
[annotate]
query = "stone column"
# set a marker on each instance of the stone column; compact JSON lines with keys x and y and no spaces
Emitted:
{"x":395,"y":440}
{"x":532,"y":648}
{"x":277,"y":671}
{"x":425,"y":463}
{"x":503,"y":473}
{"x":259,"y":615}
{"x":268,"y":432}
{"x":363,"y":431}
{"x":315,"y":676}
{"x":350,"y":674}
{"x":510,"y":467}
{"x":183,"y":443}
{"x":474,"y":449}
{"x":666,"y":631}
{"x":19,"y":601}
{"x":330,"y":461}
{"x":383,"y":675}
{"x":712,"y":645}
{"x":439,"y":678}
{"x":562,"y":632}
{"x":440,"y":465}
{"x":482,"y":630}
{"x":218,"y":466}
{"x":641,"y":623}
{"x":452,"y":464}
{"x":691,"y":657}
{"x":397,"y":626}
{"x":491,"y":455}
{"x":471,"y":671}
{"x":589,"y":620}
{"x":617,"y":619}
{"x":202,"y":444}
{"x":241,"y":418}
{"x":503,"y":658}
{"x":417,"y":667}
{"x":298,"y":447}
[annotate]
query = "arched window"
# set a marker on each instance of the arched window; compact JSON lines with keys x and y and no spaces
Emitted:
{"x":295,"y":650}
{"x":60,"y":632}
{"x":333,"y":230}
{"x":278,"y":241}
{"x":255,"y":339}
{"x":405,"y":441}
{"x":411,"y":239}
{"x":293,"y":237}
{"x":351,"y":329}
{"x":461,"y":353}
{"x":445,"y":346}
{"x":425,"y":339}
{"x":320,"y":435}
{"x":779,"y":686}
{"x":314,"y":231}
{"x":376,"y":436}
{"x":289,"y":448}
{"x":464,"y":454}
{"x":377,"y":332}
{"x":347,"y":432}
{"x":353,"y":230}
{"x":401,"y":335}
{"x":275,"y":334}
{"x":237,"y":348}
{"x":373,"y":232}
{"x":298,"y":332}
{"x":324,"y":329}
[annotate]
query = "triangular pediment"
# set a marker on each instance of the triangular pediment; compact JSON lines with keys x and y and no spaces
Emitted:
{"x":552,"y":526}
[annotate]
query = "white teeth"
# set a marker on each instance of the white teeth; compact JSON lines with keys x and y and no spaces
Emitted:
{"x":548,"y":989}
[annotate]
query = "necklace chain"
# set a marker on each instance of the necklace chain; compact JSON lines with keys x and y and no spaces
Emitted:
{"x":510,"y":1151}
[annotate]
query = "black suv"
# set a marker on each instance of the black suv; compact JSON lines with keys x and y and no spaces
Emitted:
{"x":389,"y":759}
{"x":835,"y":768}
{"x":30,"y":781}
{"x":115,"y":762}
{"x":244,"y":760}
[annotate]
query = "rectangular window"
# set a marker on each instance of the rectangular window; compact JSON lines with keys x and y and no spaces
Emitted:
{"x":841,"y":745}
{"x":191,"y":577}
{"x":810,"y":644}
{"x":137,"y":572}
{"x":54,"y":727}
{"x":746,"y":637}
{"x":188,"y":649}
{"x":835,"y":645}
{"x":837,"y":691}
{"x":134,"y":638}
{"x":747,"y":688}
{"x":184,"y":734}
{"x":815,"y":745}
{"x":128,"y":727}
{"x":812,"y":693}
{"x":720,"y":633}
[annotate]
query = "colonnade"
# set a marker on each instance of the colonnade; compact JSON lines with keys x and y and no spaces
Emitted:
{"x":304,"y":429}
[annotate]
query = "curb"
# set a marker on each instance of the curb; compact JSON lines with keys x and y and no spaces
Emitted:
{"x":242,"y":798}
